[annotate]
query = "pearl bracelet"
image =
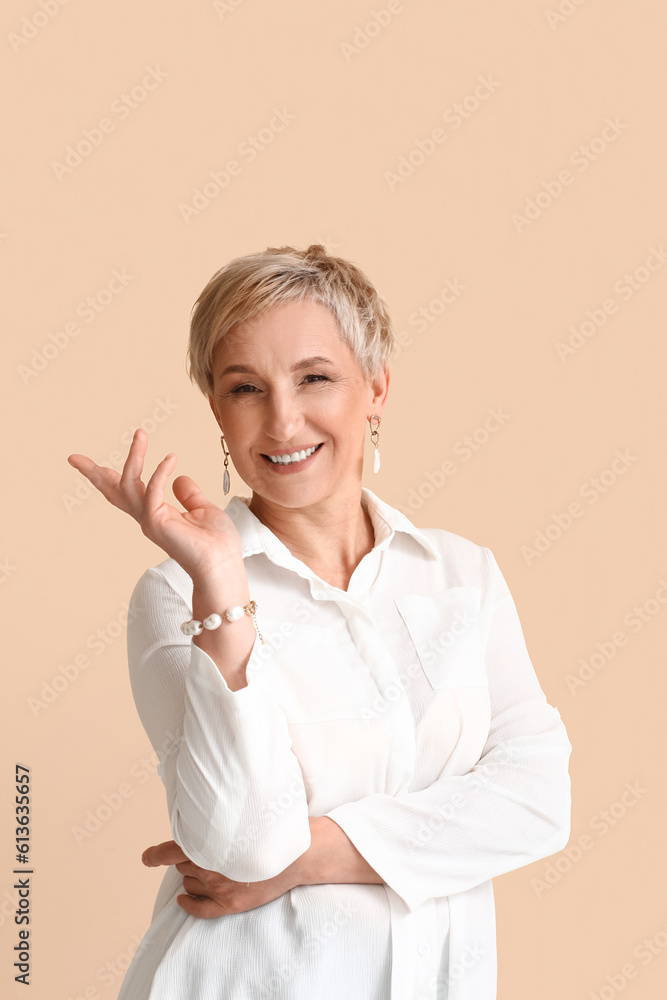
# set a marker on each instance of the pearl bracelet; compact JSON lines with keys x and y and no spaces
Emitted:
{"x":194,"y":627}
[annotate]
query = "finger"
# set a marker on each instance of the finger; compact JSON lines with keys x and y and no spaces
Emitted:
{"x":103,"y":479}
{"x":195,"y":887}
{"x":166,"y":853}
{"x":81,"y":462}
{"x":108,"y":482}
{"x":154,"y":496}
{"x":188,"y":868}
{"x":204,"y":907}
{"x":188,"y":493}
{"x":85,"y":465}
{"x":130,"y":477}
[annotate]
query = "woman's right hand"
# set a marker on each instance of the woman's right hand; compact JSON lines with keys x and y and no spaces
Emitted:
{"x":201,"y":538}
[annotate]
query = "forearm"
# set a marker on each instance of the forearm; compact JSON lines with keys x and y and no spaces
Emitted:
{"x":331,"y":858}
{"x":226,"y":755}
{"x":509,"y":810}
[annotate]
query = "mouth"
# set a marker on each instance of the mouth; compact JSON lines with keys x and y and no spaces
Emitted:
{"x":293,"y":459}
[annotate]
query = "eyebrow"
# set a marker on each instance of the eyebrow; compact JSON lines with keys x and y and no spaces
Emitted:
{"x":306,"y":363}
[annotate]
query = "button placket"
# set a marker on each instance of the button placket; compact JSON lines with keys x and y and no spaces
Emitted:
{"x":395,"y":708}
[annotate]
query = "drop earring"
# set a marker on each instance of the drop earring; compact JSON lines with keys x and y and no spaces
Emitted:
{"x":375,"y":437}
{"x":225,"y":478}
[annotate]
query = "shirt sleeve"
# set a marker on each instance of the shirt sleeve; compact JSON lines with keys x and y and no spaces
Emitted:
{"x":235,"y":792}
{"x":510,"y":809}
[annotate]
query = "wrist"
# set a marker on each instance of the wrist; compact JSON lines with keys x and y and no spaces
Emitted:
{"x":310,"y":867}
{"x":220,"y":574}
{"x":332,"y":857}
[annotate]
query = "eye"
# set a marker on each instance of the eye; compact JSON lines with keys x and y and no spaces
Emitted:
{"x":240,"y":389}
{"x":324,"y":378}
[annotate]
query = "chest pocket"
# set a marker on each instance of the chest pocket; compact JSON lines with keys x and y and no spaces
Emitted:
{"x":315,"y":678}
{"x":445,"y":630}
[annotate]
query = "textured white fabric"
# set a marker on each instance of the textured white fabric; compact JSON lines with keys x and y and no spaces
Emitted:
{"x":405,"y":708}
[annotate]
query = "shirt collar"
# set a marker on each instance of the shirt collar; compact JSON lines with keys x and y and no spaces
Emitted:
{"x":256,"y":537}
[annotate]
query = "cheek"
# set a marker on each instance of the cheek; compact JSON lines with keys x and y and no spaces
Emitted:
{"x":349,"y":437}
{"x":238,"y":421}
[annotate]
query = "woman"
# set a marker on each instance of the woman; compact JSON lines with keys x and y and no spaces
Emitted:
{"x":352,"y":737}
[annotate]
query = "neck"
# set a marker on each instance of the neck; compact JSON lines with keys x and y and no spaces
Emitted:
{"x":331,"y":536}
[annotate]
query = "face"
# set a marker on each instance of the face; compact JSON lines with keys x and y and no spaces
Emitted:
{"x":286,"y":383}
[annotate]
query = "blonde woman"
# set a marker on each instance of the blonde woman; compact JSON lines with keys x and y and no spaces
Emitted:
{"x":352,"y":738}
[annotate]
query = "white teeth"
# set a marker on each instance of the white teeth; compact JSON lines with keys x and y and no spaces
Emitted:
{"x":296,"y":456}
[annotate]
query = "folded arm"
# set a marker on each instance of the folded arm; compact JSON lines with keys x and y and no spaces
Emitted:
{"x":510,"y":809}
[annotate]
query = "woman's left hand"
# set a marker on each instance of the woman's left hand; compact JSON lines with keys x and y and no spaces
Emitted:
{"x":210,"y":894}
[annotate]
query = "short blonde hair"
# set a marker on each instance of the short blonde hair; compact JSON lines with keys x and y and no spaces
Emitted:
{"x":249,"y":285}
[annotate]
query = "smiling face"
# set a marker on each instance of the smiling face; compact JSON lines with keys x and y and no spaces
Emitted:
{"x":293,"y":404}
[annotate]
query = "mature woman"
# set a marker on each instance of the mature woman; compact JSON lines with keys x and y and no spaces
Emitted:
{"x":352,"y":737}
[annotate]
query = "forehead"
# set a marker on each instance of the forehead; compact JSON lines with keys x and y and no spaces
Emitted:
{"x":282,"y":335}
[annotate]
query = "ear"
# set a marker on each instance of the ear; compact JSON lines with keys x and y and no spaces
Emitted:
{"x":379,"y":385}
{"x":212,"y":405}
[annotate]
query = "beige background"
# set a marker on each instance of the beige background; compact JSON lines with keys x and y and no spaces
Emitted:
{"x":218,"y":72}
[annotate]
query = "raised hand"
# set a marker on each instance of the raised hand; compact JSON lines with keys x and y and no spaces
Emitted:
{"x":201,"y":538}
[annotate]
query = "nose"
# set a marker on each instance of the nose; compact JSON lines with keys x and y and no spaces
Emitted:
{"x":283,"y":417}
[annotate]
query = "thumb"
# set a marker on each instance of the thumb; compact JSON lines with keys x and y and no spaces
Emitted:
{"x":188,"y":493}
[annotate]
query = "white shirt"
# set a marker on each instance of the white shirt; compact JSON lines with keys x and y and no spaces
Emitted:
{"x":405,"y":708}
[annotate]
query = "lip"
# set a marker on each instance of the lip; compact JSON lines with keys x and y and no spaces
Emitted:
{"x":292,"y":469}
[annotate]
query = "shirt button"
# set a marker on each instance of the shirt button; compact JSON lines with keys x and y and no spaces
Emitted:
{"x":423,"y":949}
